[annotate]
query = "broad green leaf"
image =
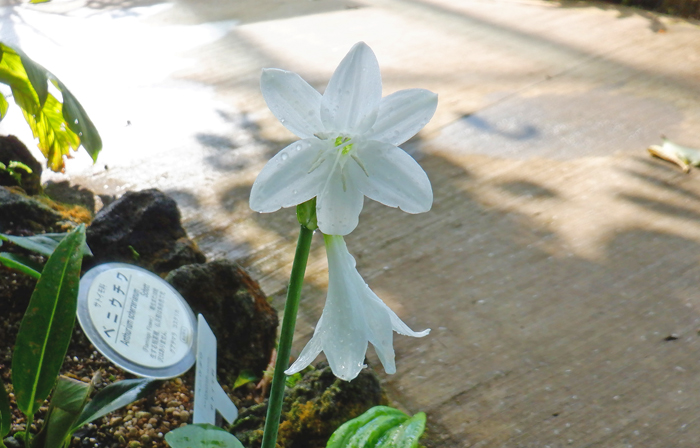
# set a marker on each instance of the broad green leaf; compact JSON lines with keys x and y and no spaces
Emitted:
{"x":5,"y":412}
{"x":67,"y":403}
{"x":406,"y":435}
{"x":59,"y":126}
{"x":47,"y":324}
{"x":22,"y":264}
{"x":13,"y":74}
{"x":3,"y":106}
{"x":37,"y":76}
{"x":116,"y":396}
{"x":347,"y":430}
{"x":380,"y":427}
{"x":44,"y":244}
{"x":79,"y":122}
{"x":370,"y":433}
{"x":55,"y":138}
{"x":202,"y":436}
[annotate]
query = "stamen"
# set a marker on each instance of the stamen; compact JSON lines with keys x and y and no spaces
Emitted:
{"x":359,"y":162}
{"x":317,"y":161}
{"x":342,"y":178}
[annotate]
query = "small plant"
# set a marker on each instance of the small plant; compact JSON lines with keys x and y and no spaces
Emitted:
{"x":380,"y":427}
{"x":59,"y":126}
{"x":42,"y":343}
{"x":202,"y":435}
{"x":12,"y":169}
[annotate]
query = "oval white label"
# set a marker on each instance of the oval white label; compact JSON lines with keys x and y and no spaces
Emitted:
{"x":140,"y":317}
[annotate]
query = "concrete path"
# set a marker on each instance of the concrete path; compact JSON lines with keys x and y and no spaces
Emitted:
{"x":558,"y":268}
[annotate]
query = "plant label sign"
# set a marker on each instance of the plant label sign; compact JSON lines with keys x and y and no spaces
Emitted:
{"x":209,"y":396}
{"x":137,"y":320}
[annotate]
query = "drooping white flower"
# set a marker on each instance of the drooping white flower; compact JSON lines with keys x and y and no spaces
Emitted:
{"x":349,"y":147}
{"x":352,"y":317}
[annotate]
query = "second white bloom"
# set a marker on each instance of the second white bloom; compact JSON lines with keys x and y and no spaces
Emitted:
{"x":352,"y":317}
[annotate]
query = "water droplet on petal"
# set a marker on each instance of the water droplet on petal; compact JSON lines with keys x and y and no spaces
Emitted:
{"x":298,"y":147}
{"x":294,"y":192}
{"x":281,"y":120}
{"x":76,"y":121}
{"x":285,"y":156}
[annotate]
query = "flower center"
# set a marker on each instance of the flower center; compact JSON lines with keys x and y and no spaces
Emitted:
{"x":343,"y":146}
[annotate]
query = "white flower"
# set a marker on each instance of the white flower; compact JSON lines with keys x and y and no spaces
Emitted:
{"x":352,"y":317}
{"x":349,"y":147}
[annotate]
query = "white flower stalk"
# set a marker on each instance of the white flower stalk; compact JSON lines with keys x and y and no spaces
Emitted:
{"x":349,"y":147}
{"x":352,"y":317}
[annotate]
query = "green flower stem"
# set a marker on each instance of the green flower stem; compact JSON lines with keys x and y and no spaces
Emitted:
{"x":296,"y":280}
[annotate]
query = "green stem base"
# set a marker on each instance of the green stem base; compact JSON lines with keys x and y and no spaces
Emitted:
{"x":284,"y":348}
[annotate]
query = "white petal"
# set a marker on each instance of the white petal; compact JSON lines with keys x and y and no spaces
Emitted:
{"x":338,"y":206}
{"x":308,"y":354}
{"x":401,"y":328}
{"x":402,"y":114}
{"x":345,"y":344}
{"x":380,"y":329}
{"x":393,"y":177}
{"x":351,"y":100}
{"x":293,"y":101}
{"x":285,"y":180}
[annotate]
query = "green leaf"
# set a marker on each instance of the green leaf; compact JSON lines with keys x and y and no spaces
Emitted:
{"x":116,"y":396}
{"x":13,"y":74}
{"x":20,"y":263}
{"x":245,"y":377}
{"x":59,"y":126}
{"x":47,"y":325}
{"x":56,"y":139}
{"x":3,"y":106}
{"x":37,"y":76}
{"x":347,"y":430}
{"x":5,"y":412}
{"x":202,"y":436}
{"x":406,"y":435}
{"x":380,"y":427}
{"x":79,"y":122}
{"x":44,"y":244}
{"x":67,"y":403}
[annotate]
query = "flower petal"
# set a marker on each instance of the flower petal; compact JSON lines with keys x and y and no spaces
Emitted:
{"x":401,"y":328}
{"x":293,"y":101}
{"x":393,"y":177}
{"x":402,"y":114}
{"x":309,"y":353}
{"x":285,"y":180}
{"x":344,"y":313}
{"x":380,"y":329}
{"x":339,"y":204}
{"x":351,"y":100}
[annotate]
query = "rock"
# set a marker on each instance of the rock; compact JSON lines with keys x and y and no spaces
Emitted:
{"x":142,"y":228}
{"x":66,"y":193}
{"x":314,"y":408}
{"x":11,"y":442}
{"x":19,"y":212}
{"x":13,"y":150}
{"x":235,"y":307}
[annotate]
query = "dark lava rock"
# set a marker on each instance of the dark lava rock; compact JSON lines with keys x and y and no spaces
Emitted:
{"x":142,"y":228}
{"x":314,"y":408}
{"x":13,"y":150}
{"x":21,"y":212}
{"x":235,"y":307}
{"x":66,"y":193}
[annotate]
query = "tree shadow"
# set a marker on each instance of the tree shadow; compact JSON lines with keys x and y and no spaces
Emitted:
{"x":640,"y":8}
